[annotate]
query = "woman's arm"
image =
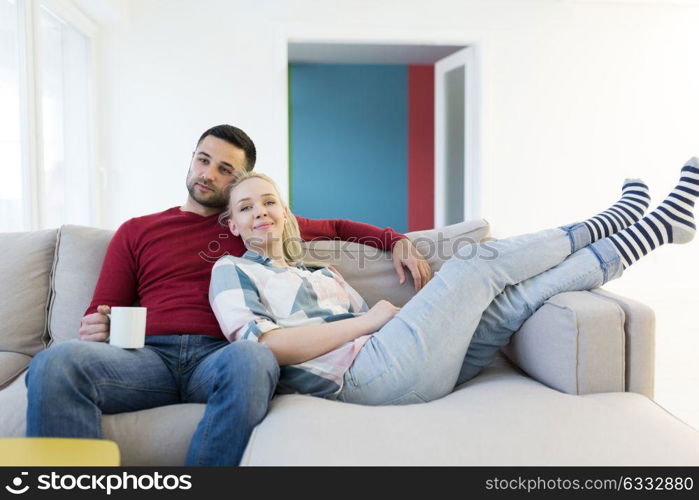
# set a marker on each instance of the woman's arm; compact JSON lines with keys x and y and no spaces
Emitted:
{"x":292,"y":346}
{"x":236,"y":303}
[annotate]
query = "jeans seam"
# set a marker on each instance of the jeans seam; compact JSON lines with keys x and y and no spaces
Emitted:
{"x":570,"y":232}
{"x":195,"y":363}
{"x":367,"y":382}
{"x":360,"y":387}
{"x":572,"y":280}
{"x":97,"y":412}
{"x":200,"y":384}
{"x":205,"y":437}
{"x":98,"y":419}
{"x":134,"y":387}
{"x":411,"y":391}
{"x":604,"y":265}
{"x":530,"y":245}
{"x":184,"y":341}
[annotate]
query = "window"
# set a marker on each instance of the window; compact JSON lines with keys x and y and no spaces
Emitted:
{"x":64,"y":116}
{"x":47,"y":174}
{"x":12,"y":198}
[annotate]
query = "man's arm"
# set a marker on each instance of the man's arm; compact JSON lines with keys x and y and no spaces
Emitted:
{"x":348,"y":230}
{"x":404,"y":252}
{"x":116,"y":286}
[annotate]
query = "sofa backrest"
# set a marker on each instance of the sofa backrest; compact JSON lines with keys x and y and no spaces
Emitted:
{"x":79,"y":255}
{"x":370,"y":271}
{"x":25,"y":268}
{"x":80,"y":252}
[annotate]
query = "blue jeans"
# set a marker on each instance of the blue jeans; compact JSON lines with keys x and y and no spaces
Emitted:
{"x":72,"y":384}
{"x":421,"y":353}
{"x":588,"y":268}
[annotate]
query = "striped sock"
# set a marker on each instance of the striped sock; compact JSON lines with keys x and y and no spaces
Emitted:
{"x":629,"y":209}
{"x":671,"y":222}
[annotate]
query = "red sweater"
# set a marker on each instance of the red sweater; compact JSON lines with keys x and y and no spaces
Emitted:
{"x":164,"y":262}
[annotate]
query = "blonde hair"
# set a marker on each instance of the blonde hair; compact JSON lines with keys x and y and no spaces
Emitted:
{"x":291,"y":235}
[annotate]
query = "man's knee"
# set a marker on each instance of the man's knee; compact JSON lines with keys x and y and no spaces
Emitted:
{"x":50,"y":364}
{"x":249,"y":361}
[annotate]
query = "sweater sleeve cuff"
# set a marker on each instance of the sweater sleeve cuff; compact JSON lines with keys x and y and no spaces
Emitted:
{"x":393,"y":238}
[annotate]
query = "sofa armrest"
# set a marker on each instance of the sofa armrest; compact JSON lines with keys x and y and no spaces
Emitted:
{"x":588,"y":342}
{"x":640,"y":343}
{"x":11,"y":365}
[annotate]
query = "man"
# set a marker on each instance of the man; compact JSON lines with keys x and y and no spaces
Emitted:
{"x":163,"y":261}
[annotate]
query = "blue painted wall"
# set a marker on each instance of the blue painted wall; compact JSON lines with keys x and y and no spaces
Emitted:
{"x":348,"y":142}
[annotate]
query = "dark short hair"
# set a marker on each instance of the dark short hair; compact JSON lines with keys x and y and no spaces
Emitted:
{"x":234,"y":135}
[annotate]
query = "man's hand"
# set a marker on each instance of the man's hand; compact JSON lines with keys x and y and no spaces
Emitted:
{"x":95,"y":327}
{"x":405,"y":254}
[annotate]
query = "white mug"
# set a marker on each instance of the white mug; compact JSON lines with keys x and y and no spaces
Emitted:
{"x":127,"y":327}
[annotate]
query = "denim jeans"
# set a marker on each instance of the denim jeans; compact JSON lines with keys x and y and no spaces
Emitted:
{"x":588,"y":268}
{"x":418,"y":355}
{"x":73,"y":383}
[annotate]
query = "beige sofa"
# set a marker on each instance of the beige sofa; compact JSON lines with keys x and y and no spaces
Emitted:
{"x":574,"y":387}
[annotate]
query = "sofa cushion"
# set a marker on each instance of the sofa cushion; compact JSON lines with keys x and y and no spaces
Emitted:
{"x":157,"y":436}
{"x":500,"y":418}
{"x":11,"y":365}
{"x":639,"y":342}
{"x":574,"y":343}
{"x":370,"y":271}
{"x":77,"y":266}
{"x":25,"y":269}
{"x":13,"y":408}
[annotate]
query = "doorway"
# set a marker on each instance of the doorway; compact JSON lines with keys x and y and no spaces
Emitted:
{"x":382,"y":134}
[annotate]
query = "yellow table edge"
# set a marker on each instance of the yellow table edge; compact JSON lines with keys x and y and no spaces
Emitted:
{"x":58,"y":452}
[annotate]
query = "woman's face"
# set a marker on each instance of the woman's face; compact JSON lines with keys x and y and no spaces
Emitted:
{"x":257,"y":214}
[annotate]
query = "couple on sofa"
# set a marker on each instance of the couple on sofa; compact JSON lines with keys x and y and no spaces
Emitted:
{"x":305,"y":318}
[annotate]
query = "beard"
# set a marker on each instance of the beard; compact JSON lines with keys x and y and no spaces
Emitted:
{"x":214,"y":199}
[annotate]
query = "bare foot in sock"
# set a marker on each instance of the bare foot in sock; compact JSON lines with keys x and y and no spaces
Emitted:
{"x":630,"y":208}
{"x":670,"y":222}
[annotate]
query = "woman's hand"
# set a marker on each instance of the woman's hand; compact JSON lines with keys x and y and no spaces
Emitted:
{"x":379,"y":315}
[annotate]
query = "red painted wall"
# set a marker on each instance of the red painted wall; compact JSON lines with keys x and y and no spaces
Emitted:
{"x":420,"y":147}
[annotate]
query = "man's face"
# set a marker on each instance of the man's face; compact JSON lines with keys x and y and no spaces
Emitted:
{"x":213,"y":166}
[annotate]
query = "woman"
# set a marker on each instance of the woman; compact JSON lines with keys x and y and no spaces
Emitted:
{"x":330,"y":344}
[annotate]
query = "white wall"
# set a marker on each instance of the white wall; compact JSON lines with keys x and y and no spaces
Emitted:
{"x":576,"y":96}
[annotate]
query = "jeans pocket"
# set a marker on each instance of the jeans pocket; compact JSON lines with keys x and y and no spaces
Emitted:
{"x":410,"y":398}
{"x":366,"y":375}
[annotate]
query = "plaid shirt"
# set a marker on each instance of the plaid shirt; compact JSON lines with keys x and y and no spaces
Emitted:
{"x":250,"y":296}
